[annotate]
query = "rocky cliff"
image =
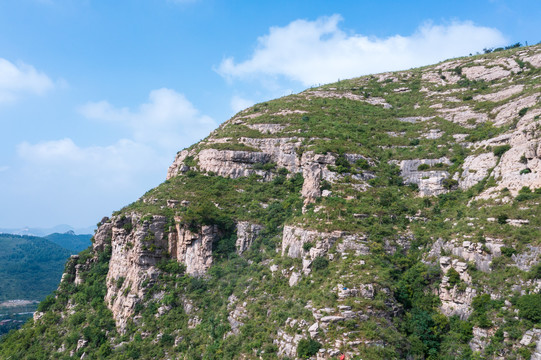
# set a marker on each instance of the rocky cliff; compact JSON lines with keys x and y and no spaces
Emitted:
{"x":388,"y":216}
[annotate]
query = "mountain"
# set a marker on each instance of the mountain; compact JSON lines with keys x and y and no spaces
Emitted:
{"x":391,"y":216}
{"x":30,"y":267}
{"x":69,"y":240}
{"x":47,"y":231}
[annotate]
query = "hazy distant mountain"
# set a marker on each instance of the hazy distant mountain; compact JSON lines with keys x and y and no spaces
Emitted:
{"x":36,"y":231}
{"x":69,"y":240}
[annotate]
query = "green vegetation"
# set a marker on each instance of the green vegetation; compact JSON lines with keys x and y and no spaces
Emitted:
{"x":30,"y":267}
{"x":244,"y":306}
{"x":70,"y":241}
{"x":307,"y":348}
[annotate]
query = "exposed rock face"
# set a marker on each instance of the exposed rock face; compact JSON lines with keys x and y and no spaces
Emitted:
{"x":233,"y":164}
{"x":194,"y":249}
{"x":246,"y":234}
{"x":138,"y":245}
{"x":294,"y":238}
{"x":313,"y":168}
{"x":453,"y":300}
{"x":103,"y":236}
{"x":509,"y":111}
{"x":500,"y":95}
{"x":476,"y":168}
{"x":282,"y":151}
{"x":430,"y":182}
{"x":178,"y":165}
{"x":236,"y":316}
{"x":287,"y":344}
{"x":525,"y":153}
{"x":267,"y":128}
{"x":136,"y":249}
{"x":476,"y":252}
{"x":527,"y":259}
{"x":480,"y":339}
{"x":530,"y":337}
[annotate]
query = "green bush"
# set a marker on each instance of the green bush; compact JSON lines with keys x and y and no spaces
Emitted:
{"x":423,"y":167}
{"x":508,"y":251}
{"x":454,"y":277}
{"x":529,"y":307}
{"x":500,"y":150}
{"x":307,"y":348}
{"x":320,"y":263}
{"x":522,"y":112}
{"x":525,"y":171}
{"x":307,"y":246}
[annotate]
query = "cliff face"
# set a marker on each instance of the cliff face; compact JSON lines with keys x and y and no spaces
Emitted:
{"x":389,"y":216}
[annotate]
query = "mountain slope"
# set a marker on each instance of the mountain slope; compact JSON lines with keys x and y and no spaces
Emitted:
{"x":30,"y":267}
{"x":69,"y":240}
{"x":388,"y":216}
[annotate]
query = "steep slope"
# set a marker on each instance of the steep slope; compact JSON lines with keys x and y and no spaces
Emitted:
{"x":388,"y":216}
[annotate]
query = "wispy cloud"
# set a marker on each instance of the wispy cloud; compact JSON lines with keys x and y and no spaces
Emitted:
{"x":18,"y":80}
{"x":168,"y":120}
{"x":319,"y":51}
{"x":239,"y":103}
{"x":154,"y":132}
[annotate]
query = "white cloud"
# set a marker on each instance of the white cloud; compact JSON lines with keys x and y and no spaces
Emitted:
{"x":238,"y":103}
{"x":116,"y":164}
{"x":313,"y":52}
{"x":16,"y":80}
{"x":168,"y":121}
{"x":69,"y":178}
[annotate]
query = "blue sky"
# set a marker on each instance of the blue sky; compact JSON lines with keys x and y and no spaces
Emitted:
{"x":96,"y":97}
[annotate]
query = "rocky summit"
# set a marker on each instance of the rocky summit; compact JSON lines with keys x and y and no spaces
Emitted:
{"x":391,"y":216}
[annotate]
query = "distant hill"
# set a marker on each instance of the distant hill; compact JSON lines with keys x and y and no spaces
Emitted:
{"x":30,"y":267}
{"x":36,"y":231}
{"x":70,"y":240}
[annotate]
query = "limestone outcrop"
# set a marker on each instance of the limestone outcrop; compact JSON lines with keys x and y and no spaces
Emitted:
{"x":138,"y":245}
{"x":430,"y":182}
{"x":475,"y":169}
{"x":193,"y":248}
{"x":246,"y":234}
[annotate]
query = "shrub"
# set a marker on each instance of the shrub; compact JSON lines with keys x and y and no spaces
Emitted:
{"x":525,"y":171}
{"x":449,"y":183}
{"x":454,"y":277}
{"x":414,"y":142}
{"x":320,"y":263}
{"x":423,"y":167}
{"x":307,"y":246}
{"x":522,"y":112}
{"x":500,"y":150}
{"x":307,"y":348}
{"x":508,"y":251}
{"x":535,"y":272}
{"x":502,"y":219}
{"x":528,"y":306}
